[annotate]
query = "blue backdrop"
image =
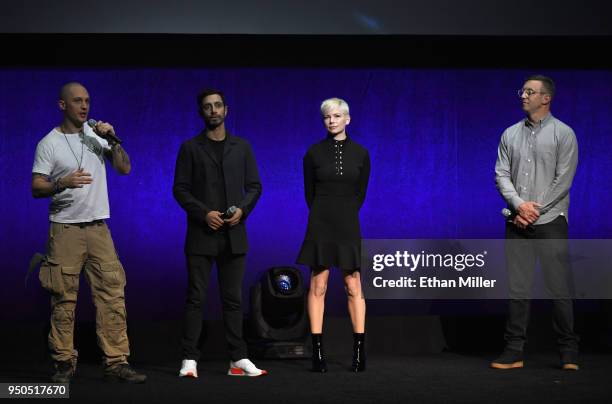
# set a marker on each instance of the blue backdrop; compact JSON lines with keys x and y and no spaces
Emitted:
{"x":432,"y":136}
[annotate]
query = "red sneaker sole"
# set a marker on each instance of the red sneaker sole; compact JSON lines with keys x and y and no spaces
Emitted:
{"x":239,"y":372}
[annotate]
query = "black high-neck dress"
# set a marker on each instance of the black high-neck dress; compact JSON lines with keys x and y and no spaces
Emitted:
{"x":336,"y":175}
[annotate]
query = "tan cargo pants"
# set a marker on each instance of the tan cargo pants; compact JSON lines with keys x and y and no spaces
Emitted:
{"x":73,"y":248}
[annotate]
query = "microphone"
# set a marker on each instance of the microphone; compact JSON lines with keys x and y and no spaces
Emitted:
{"x":508,"y":214}
{"x":229,"y":212}
{"x":92,"y":124}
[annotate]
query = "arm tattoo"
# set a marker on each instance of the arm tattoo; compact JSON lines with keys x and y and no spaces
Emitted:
{"x":43,"y":176}
{"x":120,"y":159}
{"x":37,"y":192}
{"x":119,"y":152}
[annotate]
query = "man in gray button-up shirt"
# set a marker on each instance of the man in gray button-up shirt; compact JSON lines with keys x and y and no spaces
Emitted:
{"x":536,"y":162}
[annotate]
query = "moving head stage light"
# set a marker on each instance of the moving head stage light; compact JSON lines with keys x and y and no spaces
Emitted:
{"x":278,"y":322}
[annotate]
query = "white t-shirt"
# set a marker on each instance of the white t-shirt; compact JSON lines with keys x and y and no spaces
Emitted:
{"x":55,"y":158}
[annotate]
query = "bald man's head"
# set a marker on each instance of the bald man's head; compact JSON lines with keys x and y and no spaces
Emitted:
{"x":66,"y":90}
{"x":74,"y":103}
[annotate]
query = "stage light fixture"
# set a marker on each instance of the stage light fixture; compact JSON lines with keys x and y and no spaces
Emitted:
{"x":278,"y":321}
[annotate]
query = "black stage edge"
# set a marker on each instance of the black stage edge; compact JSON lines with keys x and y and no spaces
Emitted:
{"x":349,"y":51}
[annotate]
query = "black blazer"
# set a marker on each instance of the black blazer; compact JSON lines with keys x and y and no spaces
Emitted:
{"x":196,"y":171}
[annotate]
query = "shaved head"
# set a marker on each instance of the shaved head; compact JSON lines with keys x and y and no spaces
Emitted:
{"x":67,"y":88}
{"x":74,"y":103}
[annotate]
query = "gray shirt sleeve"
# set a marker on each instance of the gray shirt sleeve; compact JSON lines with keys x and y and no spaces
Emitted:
{"x":503,"y":177}
{"x":567,"y":161}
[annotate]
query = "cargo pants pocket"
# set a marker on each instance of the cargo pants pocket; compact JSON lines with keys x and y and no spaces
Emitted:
{"x":58,"y":279}
{"x":50,"y":276}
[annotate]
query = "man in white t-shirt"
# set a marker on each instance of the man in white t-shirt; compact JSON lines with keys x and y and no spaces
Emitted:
{"x":69,"y":167}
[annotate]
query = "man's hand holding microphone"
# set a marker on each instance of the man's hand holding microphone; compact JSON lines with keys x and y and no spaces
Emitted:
{"x":216,"y":219}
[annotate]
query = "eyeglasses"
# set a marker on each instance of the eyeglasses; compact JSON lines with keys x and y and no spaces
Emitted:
{"x":528,"y":91}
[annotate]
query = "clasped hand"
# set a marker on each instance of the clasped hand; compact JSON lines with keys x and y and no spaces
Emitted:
{"x":215,"y":220}
{"x":528,"y":213}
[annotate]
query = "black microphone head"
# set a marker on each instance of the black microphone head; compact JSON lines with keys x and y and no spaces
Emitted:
{"x":91,"y":122}
{"x":230,"y":211}
{"x":506,"y":212}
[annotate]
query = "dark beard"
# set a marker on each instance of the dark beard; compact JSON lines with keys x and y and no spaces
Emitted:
{"x":213,"y":125}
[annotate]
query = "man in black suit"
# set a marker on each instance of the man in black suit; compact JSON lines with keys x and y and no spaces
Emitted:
{"x":216,"y":175}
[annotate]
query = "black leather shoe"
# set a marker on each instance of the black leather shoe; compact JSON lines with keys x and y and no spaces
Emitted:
{"x":319,"y":364}
{"x":509,"y":359}
{"x":123,"y":373}
{"x":64,"y":371}
{"x":359,"y":357}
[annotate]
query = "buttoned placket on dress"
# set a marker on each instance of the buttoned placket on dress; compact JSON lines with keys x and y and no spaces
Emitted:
{"x":338,"y":147}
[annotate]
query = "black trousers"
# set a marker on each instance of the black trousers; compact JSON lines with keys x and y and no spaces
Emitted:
{"x":548,"y":244}
{"x":230,"y":273}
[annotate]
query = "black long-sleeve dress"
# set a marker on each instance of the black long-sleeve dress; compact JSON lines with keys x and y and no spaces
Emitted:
{"x":336,"y":175}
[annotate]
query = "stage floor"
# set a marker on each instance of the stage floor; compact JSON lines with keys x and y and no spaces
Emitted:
{"x":422,"y":378}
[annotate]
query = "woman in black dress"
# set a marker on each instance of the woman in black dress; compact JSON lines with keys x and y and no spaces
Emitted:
{"x":336,"y":173}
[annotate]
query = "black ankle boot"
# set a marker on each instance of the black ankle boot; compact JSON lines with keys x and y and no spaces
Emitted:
{"x":359,"y":357}
{"x":318,"y":356}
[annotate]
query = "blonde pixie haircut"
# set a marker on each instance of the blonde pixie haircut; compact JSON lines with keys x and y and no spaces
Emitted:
{"x":331,"y":103}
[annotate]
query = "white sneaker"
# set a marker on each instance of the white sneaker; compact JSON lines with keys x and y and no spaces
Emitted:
{"x":189,"y":368}
{"x":245,"y":367}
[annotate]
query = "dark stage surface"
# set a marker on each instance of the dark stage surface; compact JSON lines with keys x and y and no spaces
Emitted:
{"x":416,"y":359}
{"x":424,"y":378}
